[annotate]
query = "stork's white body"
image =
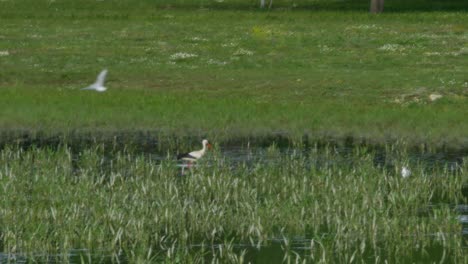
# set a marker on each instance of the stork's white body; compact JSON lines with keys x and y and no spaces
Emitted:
{"x":195,"y":155}
{"x":98,"y":86}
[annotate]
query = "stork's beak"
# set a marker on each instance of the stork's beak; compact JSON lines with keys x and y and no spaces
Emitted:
{"x":209,"y":146}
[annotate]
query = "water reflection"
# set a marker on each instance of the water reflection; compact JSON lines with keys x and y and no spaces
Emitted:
{"x":73,"y":256}
{"x":260,"y":149}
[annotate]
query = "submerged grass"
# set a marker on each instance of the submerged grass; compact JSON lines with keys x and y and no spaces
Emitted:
{"x":55,"y":201}
{"x":231,"y":72}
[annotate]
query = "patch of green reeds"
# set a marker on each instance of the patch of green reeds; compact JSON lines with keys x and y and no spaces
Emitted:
{"x":55,"y":201}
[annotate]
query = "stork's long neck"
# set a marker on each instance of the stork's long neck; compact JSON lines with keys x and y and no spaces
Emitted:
{"x":203,"y":149}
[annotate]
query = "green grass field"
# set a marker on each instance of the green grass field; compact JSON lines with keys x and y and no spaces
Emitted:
{"x":231,"y":72}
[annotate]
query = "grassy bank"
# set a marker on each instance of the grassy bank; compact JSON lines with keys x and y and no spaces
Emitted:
{"x":58,"y":201}
{"x":233,"y":72}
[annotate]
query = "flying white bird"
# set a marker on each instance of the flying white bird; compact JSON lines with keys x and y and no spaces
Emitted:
{"x":405,"y":172}
{"x":98,"y":86}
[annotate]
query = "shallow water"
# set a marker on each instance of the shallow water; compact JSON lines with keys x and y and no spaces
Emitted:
{"x":73,"y":256}
{"x":147,"y":142}
{"x":252,"y":150}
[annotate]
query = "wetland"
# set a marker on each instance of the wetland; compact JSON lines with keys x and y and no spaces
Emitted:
{"x":266,"y":200}
{"x":313,"y":109}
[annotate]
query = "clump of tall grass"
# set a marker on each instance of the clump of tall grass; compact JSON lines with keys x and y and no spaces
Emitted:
{"x":128,"y":205}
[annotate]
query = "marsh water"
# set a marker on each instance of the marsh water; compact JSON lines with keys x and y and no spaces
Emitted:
{"x":264,"y":150}
{"x":251,"y":149}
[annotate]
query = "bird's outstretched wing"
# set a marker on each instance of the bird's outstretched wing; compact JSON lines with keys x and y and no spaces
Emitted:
{"x":101,"y":78}
{"x":185,"y":155}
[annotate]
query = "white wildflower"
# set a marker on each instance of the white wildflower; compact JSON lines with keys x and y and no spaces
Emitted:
{"x":463,"y":51}
{"x":35,"y":36}
{"x":4,"y":53}
{"x":434,"y":96}
{"x":432,"y":53}
{"x":430,"y":36}
{"x":392,"y":47}
{"x":182,"y":56}
{"x":324,"y":48}
{"x":198,"y":39}
{"x":365,"y":27}
{"x":241,"y":52}
{"x":230,"y":44}
{"x":216,"y":62}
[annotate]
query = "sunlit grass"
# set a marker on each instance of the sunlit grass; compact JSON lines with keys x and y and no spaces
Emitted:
{"x":327,"y":74}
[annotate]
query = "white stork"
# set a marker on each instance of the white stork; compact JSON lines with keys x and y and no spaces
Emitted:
{"x":195,"y":155}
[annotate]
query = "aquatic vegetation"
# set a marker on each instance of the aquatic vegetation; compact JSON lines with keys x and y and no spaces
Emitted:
{"x":305,"y":203}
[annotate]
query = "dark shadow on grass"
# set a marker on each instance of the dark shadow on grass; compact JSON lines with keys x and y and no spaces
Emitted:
{"x":390,"y":5}
{"x":125,"y":7}
{"x":315,"y":5}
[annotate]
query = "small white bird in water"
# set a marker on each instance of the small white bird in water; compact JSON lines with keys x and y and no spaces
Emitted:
{"x":405,"y":172}
{"x":98,"y":86}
